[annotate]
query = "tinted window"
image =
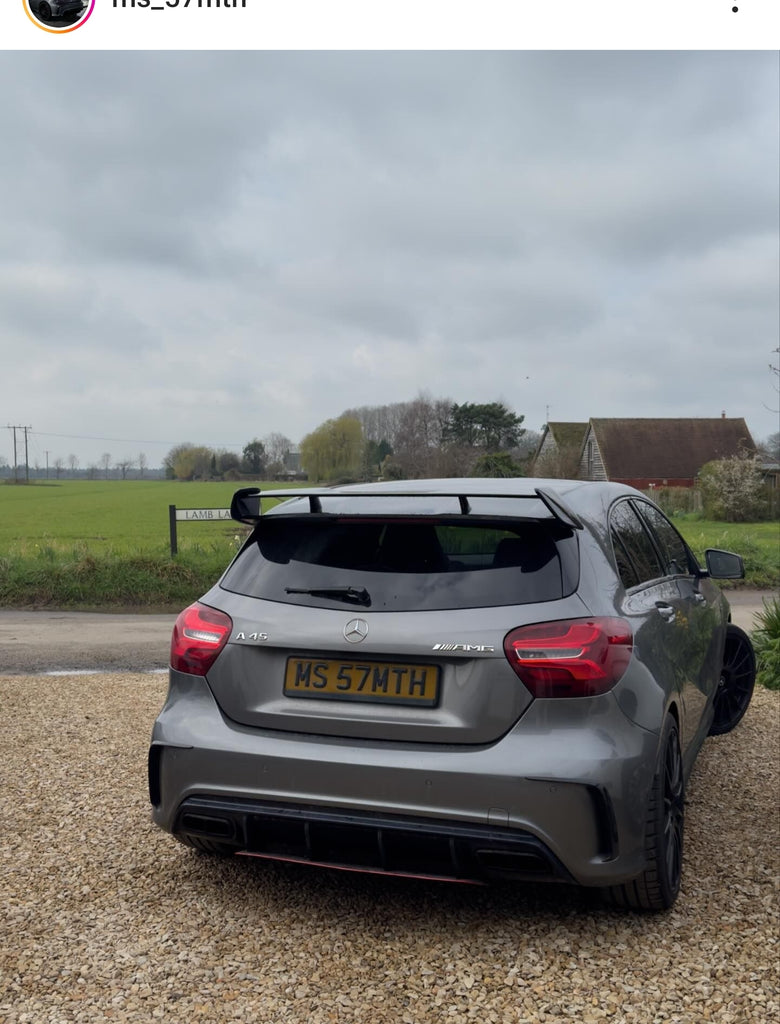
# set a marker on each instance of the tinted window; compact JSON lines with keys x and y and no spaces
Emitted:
{"x":676,"y":560}
{"x":635,"y":555}
{"x":625,"y":566}
{"x":403,"y":564}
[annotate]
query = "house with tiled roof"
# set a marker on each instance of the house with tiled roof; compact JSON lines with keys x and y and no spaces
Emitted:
{"x":659,"y":452}
{"x":641,"y":452}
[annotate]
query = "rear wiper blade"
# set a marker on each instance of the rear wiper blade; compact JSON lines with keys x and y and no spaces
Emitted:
{"x":357,"y":595}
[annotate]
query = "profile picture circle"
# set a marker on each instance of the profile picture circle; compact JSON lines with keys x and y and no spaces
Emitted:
{"x":59,"y":16}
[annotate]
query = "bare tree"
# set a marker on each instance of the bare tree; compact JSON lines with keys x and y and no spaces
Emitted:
{"x":770,"y":449}
{"x":277,"y":448}
{"x":59,"y":464}
{"x":73,"y":464}
{"x":559,"y":463}
{"x":123,"y":465}
{"x":529,"y":442}
{"x":141,"y":464}
{"x":419,"y":447}
{"x":105,"y":462}
{"x":380,"y":422}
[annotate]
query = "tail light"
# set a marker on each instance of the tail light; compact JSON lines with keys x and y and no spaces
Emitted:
{"x":570,"y":658}
{"x":199,"y":635}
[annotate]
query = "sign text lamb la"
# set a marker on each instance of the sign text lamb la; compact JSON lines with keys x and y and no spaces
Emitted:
{"x":192,"y":515}
{"x":186,"y":514}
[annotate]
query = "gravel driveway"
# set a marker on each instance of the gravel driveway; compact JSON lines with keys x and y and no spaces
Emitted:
{"x":104,"y":918}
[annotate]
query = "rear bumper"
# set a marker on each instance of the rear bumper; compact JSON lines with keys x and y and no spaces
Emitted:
{"x":382,"y":844}
{"x":551,"y":799}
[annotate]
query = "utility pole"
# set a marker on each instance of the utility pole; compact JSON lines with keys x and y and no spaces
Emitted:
{"x":47,"y":464}
{"x":14,"y":430}
{"x":16,"y":460}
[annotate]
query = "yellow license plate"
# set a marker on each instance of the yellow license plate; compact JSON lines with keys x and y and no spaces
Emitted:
{"x":384,"y":682}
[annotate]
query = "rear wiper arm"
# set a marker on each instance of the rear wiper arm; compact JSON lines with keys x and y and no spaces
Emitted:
{"x":355,"y":594}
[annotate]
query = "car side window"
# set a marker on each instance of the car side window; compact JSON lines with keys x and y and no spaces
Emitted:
{"x":625,"y":566}
{"x":635,"y":554}
{"x":676,"y":558}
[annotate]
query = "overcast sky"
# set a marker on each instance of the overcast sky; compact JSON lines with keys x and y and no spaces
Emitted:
{"x":210,"y":247}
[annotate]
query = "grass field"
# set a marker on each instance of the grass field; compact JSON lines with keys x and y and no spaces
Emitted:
{"x":758,"y":543}
{"x":101,"y":544}
{"x":125,"y":516}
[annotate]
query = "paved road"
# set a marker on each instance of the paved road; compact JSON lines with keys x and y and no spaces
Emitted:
{"x":34,"y":642}
{"x":37,"y":642}
{"x":746,"y":604}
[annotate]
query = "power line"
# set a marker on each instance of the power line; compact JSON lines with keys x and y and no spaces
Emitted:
{"x":131,"y":440}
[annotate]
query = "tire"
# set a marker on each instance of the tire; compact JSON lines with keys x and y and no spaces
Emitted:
{"x":737,"y":678}
{"x":44,"y":12}
{"x":659,"y":884}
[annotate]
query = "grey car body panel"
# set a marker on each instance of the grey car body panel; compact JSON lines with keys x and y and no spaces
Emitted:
{"x":540,"y":765}
{"x":481,"y":697}
{"x":517,"y":781}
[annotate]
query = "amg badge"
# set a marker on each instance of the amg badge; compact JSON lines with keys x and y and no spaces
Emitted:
{"x":467,"y":648}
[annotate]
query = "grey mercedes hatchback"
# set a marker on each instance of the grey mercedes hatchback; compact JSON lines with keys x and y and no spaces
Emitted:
{"x":470,"y":680}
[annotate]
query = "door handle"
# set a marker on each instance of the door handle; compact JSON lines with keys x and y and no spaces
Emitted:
{"x":666,"y":611}
{"x":699,"y":598}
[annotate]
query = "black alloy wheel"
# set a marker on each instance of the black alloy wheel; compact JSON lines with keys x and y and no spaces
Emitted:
{"x":673,"y":814}
{"x":44,"y":12}
{"x":737,"y":678}
{"x":659,"y":884}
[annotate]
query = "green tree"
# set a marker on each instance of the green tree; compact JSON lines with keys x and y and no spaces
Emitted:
{"x":497,"y":464}
{"x":334,"y":451}
{"x":188,"y":462}
{"x":375,"y":454}
{"x":227,"y":462}
{"x":170,"y":460}
{"x":392,"y":469}
{"x":491,"y":426}
{"x":254,"y":458}
{"x":195,"y":463}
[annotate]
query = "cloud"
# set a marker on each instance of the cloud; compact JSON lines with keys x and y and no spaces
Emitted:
{"x":215,"y":246}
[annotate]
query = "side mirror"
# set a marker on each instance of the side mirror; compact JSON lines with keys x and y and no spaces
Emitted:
{"x":724,"y":565}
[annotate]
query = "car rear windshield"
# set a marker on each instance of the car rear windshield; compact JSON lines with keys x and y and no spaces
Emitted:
{"x":392,"y":564}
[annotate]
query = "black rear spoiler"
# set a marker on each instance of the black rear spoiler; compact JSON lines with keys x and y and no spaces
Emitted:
{"x":246,"y":504}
